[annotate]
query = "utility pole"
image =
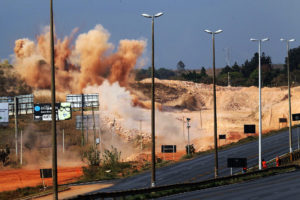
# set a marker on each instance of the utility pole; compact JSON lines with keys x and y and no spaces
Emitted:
{"x":54,"y":139}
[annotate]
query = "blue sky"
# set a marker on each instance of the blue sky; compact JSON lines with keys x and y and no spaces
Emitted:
{"x":179,"y":32}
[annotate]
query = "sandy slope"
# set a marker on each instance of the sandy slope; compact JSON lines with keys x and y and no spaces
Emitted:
{"x":236,"y":106}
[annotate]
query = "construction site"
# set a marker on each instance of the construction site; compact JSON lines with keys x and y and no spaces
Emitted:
{"x":124,"y":107}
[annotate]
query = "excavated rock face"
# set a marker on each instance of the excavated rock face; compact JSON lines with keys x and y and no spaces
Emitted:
{"x":236,"y":106}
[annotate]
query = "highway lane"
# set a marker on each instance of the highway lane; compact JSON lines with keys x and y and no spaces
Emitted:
{"x":202,"y":167}
{"x":282,"y":186}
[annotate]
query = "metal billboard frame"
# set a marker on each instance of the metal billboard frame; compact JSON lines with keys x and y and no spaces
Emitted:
{"x":25,"y":104}
{"x":90,"y":101}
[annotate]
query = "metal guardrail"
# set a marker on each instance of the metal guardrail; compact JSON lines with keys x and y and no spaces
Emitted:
{"x":123,"y":194}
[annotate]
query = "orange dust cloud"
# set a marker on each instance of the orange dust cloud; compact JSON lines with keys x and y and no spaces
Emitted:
{"x":88,"y":62}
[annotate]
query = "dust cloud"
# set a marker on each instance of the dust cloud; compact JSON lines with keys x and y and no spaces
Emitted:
{"x":88,"y":62}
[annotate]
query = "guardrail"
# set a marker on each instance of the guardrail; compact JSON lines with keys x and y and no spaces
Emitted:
{"x":123,"y":194}
{"x":288,"y":158}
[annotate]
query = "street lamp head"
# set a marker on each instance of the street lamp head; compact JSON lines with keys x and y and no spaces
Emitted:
{"x":208,"y":31}
{"x":146,"y":15}
{"x":292,"y":40}
{"x":253,"y":40}
{"x":188,"y":119}
{"x":158,"y":14}
{"x":265,"y":39}
{"x":281,"y":39}
{"x":219,"y":31}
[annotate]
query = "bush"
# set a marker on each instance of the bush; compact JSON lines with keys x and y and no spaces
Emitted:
{"x":92,"y":156}
{"x":4,"y":155}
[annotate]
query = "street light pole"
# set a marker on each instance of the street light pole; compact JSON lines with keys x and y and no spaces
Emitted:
{"x":259,"y":99}
{"x":215,"y":103}
{"x":54,"y":142}
{"x":188,"y":128}
{"x":153,"y":100}
{"x":289,"y":91}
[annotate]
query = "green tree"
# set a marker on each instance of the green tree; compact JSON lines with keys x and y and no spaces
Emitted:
{"x":294,"y":55}
{"x":163,"y":73}
{"x":180,"y":66}
{"x":203,"y":72}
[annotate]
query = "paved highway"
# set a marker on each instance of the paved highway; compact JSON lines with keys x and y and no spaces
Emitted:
{"x":202,"y":167}
{"x":283,"y":186}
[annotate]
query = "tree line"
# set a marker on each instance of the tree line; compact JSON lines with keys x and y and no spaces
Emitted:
{"x":239,"y":75}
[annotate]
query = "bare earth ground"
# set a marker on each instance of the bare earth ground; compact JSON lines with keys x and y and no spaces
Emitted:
{"x":76,"y":190}
{"x":19,"y":178}
{"x":176,"y":100}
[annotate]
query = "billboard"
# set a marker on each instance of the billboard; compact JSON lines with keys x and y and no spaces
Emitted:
{"x":25,"y":104}
{"x":4,"y":118}
{"x":296,"y":117}
{"x":168,"y":148}
{"x":236,"y":162}
{"x":42,"y":112}
{"x":282,"y":120}
{"x":88,"y":101}
{"x":46,"y":173}
{"x":249,"y":128}
{"x":222,"y":137}
{"x":88,"y":122}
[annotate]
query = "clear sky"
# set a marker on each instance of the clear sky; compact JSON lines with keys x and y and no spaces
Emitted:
{"x":179,"y":32}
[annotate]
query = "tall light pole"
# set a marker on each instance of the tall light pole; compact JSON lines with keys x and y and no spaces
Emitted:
{"x":215,"y":104}
{"x":54,"y":142}
{"x":289,"y":90}
{"x":259,"y":99}
{"x":152,"y":99}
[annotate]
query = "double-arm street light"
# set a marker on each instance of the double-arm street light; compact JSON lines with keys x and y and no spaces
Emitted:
{"x":259,"y":94}
{"x":289,"y":90}
{"x":215,"y":104}
{"x":153,"y":99}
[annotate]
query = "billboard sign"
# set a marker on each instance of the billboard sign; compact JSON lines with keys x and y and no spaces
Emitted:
{"x":222,"y":137}
{"x":296,"y":117}
{"x":25,"y":104}
{"x":236,"y":162}
{"x":42,"y":112}
{"x":4,"y":118}
{"x":168,"y":148}
{"x":46,"y":173}
{"x":282,"y":120}
{"x":88,"y":101}
{"x":249,"y":128}
{"x":88,"y":122}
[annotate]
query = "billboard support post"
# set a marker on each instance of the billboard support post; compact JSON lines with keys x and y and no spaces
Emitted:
{"x":94,"y":128}
{"x":63,"y":140}
{"x":16,"y":124}
{"x":82,"y":132}
{"x":21,"y":149}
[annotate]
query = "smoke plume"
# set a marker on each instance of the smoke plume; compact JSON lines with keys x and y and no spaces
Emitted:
{"x":90,"y":61}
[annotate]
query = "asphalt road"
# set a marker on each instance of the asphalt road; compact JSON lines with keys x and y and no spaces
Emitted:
{"x":283,"y":186}
{"x":202,"y":167}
